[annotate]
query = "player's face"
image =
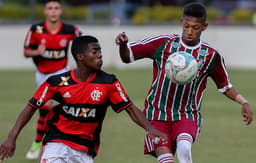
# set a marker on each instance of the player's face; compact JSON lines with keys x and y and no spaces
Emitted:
{"x":192,"y":29}
{"x":53,"y":11}
{"x":93,"y":57}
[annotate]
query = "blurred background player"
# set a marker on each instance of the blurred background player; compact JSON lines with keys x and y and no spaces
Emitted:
{"x":47,"y":44}
{"x":84,"y":95}
{"x":175,"y":109}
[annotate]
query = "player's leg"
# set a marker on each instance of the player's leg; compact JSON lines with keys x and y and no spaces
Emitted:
{"x":41,"y":127}
{"x":163,"y":151}
{"x":184,"y":146}
{"x":185,"y":132}
{"x":164,"y":155}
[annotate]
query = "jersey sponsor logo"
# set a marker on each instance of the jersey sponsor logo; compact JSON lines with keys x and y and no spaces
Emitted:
{"x":79,"y":111}
{"x":39,"y":102}
{"x":96,"y":94}
{"x":118,"y":86}
{"x":64,"y":81}
{"x":63,"y":42}
{"x":39,"y":29}
{"x":54,"y":54}
{"x":67,"y":94}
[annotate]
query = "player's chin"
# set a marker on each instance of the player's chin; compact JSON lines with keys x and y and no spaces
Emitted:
{"x":98,"y":67}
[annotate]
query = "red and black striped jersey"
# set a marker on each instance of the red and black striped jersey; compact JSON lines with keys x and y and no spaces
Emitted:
{"x":77,"y":120}
{"x":55,"y":56}
{"x":166,"y":100}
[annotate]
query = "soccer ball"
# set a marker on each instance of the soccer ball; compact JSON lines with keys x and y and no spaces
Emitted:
{"x":181,"y":67}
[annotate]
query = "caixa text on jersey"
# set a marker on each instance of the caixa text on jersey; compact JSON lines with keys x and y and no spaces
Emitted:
{"x":79,"y":111}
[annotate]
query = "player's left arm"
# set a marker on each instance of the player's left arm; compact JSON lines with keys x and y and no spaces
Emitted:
{"x":246,"y":107}
{"x":138,"y":117}
{"x":220,"y":76}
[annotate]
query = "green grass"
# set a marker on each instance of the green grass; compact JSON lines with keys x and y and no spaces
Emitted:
{"x":223,"y":139}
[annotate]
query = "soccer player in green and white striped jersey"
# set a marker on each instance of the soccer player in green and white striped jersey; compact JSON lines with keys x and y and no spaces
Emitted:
{"x":172,"y":108}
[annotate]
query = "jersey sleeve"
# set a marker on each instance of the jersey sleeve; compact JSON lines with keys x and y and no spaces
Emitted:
{"x":220,"y":75}
{"x":118,"y":98}
{"x":30,"y":40}
{"x":42,"y":95}
{"x":146,"y":48}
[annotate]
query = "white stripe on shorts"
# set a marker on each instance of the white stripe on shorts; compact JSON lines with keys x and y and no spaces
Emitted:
{"x":149,"y":143}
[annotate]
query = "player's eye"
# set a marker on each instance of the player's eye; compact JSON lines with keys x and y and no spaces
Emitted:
{"x":196,"y":27}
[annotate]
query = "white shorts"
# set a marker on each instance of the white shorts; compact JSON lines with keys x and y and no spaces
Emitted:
{"x":61,"y":153}
{"x":41,"y":77}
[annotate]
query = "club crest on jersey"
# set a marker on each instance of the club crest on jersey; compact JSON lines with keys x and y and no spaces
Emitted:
{"x":39,"y":29}
{"x":43,"y":41}
{"x":63,"y":42}
{"x":200,"y":63}
{"x":96,"y":94}
{"x":64,"y":81}
{"x":202,"y":55}
{"x":79,"y":111}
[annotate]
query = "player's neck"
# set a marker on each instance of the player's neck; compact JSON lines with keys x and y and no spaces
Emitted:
{"x":83,"y":74}
{"x":53,"y":27}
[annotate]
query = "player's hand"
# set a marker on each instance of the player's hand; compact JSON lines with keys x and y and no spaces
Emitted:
{"x":7,"y":149}
{"x":41,"y":49}
{"x":247,"y":113}
{"x":121,"y":38}
{"x":156,"y":136}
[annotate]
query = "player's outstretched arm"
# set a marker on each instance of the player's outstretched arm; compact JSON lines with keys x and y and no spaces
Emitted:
{"x":138,"y":117}
{"x":246,"y":107}
{"x":7,"y":148}
{"x":122,"y":41}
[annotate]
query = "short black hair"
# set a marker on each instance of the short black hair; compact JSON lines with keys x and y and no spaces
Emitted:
{"x":195,"y":9}
{"x":47,"y":1}
{"x":80,"y":44}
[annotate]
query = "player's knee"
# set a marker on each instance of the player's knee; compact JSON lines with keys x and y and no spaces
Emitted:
{"x":184,"y":148}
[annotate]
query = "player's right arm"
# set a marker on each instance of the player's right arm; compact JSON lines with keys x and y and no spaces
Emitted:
{"x":32,"y":47}
{"x":124,"y":52}
{"x":7,"y":148}
{"x":33,"y":53}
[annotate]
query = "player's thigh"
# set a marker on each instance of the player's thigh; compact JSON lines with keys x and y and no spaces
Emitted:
{"x":188,"y":126}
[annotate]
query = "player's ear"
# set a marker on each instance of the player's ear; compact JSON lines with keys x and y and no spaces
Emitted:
{"x":205,"y":26}
{"x":79,"y":57}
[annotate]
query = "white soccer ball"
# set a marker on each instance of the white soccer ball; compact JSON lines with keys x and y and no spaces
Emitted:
{"x":181,"y":67}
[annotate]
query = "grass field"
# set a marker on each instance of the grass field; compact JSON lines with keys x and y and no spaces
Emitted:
{"x":223,"y":139}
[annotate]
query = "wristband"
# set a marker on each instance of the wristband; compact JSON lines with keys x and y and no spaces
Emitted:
{"x":240,"y":99}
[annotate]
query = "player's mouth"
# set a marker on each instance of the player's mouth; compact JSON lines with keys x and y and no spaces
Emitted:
{"x":189,"y":39}
{"x":100,"y":62}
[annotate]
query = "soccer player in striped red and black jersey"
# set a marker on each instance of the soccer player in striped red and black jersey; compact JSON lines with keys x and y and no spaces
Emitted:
{"x":172,"y":108}
{"x":84,"y":94}
{"x":47,"y":44}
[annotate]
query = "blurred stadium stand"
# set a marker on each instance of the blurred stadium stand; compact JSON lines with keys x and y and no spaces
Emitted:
{"x":121,"y":11}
